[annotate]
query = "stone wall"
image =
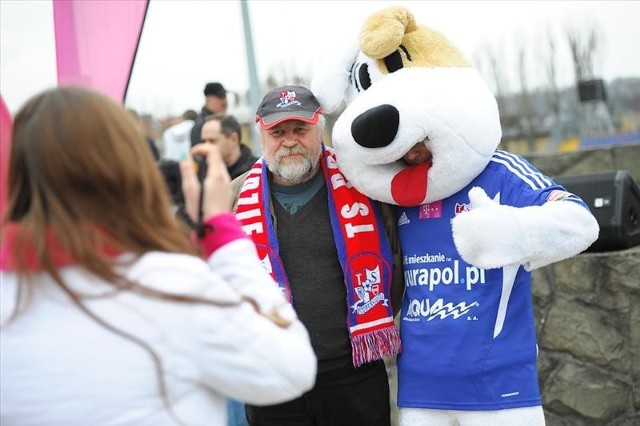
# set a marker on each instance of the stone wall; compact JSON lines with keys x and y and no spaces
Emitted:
{"x":588,"y":323}
{"x":587,"y":317}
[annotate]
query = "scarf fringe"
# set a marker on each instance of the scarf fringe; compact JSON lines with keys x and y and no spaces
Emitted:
{"x":375,"y":345}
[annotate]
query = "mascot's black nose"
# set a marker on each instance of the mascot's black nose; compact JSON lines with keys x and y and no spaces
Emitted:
{"x":376,"y":127}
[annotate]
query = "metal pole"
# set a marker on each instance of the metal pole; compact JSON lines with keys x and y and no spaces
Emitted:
{"x":254,"y":84}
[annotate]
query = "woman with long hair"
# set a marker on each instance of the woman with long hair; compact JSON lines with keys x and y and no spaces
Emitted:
{"x":109,"y":316}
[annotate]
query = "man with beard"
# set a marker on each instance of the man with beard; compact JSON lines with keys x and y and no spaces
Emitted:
{"x":332,"y":259}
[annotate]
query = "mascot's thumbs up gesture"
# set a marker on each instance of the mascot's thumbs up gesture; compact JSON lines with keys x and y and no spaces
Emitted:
{"x":419,"y":129}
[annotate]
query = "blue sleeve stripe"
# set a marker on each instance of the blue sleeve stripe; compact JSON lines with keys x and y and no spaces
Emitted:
{"x":522,"y":169}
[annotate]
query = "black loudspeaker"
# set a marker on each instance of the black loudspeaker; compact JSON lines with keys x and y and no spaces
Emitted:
{"x":592,"y":90}
{"x":614,"y":200}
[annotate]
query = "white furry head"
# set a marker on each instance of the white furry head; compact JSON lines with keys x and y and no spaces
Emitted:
{"x":406,"y":85}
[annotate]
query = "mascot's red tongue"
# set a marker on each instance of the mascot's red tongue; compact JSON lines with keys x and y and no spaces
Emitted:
{"x":409,"y":187}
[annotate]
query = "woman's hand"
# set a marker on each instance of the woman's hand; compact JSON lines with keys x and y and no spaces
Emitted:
{"x":217,"y":183}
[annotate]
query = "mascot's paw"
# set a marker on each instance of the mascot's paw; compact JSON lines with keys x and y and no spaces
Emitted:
{"x":489,"y":234}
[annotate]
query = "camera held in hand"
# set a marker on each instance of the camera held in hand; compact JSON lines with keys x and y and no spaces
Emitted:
{"x":170,"y":170}
{"x":201,"y":164}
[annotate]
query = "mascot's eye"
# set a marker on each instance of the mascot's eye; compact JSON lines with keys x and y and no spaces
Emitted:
{"x":363,"y":77}
{"x":393,"y":62}
{"x":359,"y":76}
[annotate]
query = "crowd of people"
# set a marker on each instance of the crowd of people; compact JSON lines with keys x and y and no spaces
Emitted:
{"x":171,"y":138}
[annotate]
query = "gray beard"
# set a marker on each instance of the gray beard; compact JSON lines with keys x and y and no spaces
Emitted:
{"x":294,"y":172}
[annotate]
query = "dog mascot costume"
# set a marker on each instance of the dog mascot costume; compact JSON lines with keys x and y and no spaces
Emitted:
{"x":419,"y":128}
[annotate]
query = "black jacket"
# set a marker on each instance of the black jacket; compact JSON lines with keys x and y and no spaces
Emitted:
{"x":196,"y":130}
{"x":244,"y":163}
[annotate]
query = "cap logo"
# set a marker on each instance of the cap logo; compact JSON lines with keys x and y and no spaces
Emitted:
{"x":288,"y":98}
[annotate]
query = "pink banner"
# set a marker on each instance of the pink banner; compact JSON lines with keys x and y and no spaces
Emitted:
{"x":5,"y":145}
{"x":96,"y":42}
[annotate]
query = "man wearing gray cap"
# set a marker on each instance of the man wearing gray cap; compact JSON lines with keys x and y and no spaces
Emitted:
{"x":333,"y":259}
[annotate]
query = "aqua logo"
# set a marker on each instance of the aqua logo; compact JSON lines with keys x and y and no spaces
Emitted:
{"x":418,"y":309}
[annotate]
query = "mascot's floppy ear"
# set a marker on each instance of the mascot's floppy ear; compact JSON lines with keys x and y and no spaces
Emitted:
{"x":383,"y":32}
{"x":331,"y":78}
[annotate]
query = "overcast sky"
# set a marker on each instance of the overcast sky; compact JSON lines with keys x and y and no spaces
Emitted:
{"x":187,"y":43}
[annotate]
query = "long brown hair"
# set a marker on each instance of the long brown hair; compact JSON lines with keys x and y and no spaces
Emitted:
{"x":80,"y":171}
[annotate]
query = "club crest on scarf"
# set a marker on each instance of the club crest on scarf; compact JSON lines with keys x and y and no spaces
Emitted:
{"x":369,"y":276}
{"x":368,"y":290}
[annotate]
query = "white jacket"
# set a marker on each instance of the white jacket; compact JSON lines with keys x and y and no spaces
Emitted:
{"x":177,"y":141}
{"x":60,"y":367}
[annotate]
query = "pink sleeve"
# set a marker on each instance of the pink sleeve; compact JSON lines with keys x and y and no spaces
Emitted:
{"x":220,"y":230}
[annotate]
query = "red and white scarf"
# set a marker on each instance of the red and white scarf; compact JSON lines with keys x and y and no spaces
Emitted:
{"x":363,"y":251}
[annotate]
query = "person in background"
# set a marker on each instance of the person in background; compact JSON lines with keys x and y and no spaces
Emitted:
{"x":332,"y":258}
{"x":108,"y":315}
{"x":215,"y":101}
{"x":224,"y":131}
{"x":177,"y":138}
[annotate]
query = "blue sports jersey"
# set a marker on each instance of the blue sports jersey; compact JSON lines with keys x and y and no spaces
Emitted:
{"x":468,"y":334}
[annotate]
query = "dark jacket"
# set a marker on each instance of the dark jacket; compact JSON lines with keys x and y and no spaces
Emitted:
{"x":196,"y":130}
{"x":244,"y":163}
